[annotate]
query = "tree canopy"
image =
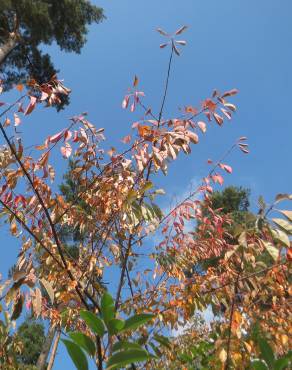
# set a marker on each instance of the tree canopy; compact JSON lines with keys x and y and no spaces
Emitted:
{"x":26,"y":26}
{"x":109,"y":209}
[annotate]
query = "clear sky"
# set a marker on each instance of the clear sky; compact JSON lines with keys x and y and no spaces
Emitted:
{"x":245,"y":44}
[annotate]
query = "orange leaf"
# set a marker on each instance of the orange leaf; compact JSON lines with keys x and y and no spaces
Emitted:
{"x":136,"y":81}
{"x":19,"y":87}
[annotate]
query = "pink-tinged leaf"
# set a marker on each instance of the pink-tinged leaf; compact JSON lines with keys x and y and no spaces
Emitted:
{"x":43,"y":161}
{"x":202,"y":125}
{"x":67,"y":135}
{"x":20,"y":108}
{"x":133,"y":106}
{"x":44,"y":96}
{"x":136,"y":81}
{"x":242,"y":138}
{"x":6,"y":122}
{"x":66,"y":150}
{"x":181,"y":42}
{"x":57,"y":137}
{"x":226,"y":113}
{"x":230,"y":106}
{"x":163,"y":33}
{"x":208,"y":115}
{"x":230,"y":93}
{"x":126,"y":139}
{"x":193,"y":137}
{"x":135,"y":124}
{"x":209,"y":189}
{"x":181,"y":30}
{"x":243,"y":149}
{"x":226,"y":167}
{"x":176,"y":50}
{"x":218,"y":178}
{"x":51,"y":172}
{"x":44,"y":146}
{"x":2,"y":103}
{"x":163,"y":45}
{"x":125,"y":102}
{"x":209,"y":161}
{"x":218,"y":118}
{"x":17,"y":120}
{"x":31,"y":105}
{"x":215,"y":93}
{"x":75,"y":138}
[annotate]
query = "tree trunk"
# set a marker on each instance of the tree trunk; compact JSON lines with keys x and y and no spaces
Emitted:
{"x":54,"y":350}
{"x":7,"y":47}
{"x":42,"y":360}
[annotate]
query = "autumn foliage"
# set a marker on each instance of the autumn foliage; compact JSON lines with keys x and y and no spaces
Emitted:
{"x":129,"y":320}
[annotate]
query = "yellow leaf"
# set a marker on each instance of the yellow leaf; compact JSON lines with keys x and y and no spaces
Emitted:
{"x":284,"y":339}
{"x":287,"y":214}
{"x":223,"y":355}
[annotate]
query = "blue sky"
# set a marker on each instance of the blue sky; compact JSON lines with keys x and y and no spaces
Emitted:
{"x":231,"y":43}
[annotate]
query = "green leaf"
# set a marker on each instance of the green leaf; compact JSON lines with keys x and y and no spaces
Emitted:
{"x":164,"y":341}
{"x":49,"y":289}
{"x":266,"y":352}
{"x":155,"y":349}
{"x":127,"y":357}
{"x":137,"y":320}
{"x":94,"y":322}
{"x":272,"y":250}
{"x":76,"y":354}
{"x":107,"y":307}
{"x":259,"y":365}
{"x":83,"y":341}
{"x":281,"y":363}
{"x":123,"y":344}
{"x":148,"y":185}
{"x":115,"y":326}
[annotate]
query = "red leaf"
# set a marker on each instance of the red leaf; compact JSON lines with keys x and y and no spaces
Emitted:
{"x":218,"y":118}
{"x":31,"y":105}
{"x":67,"y":135}
{"x":163,"y":45}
